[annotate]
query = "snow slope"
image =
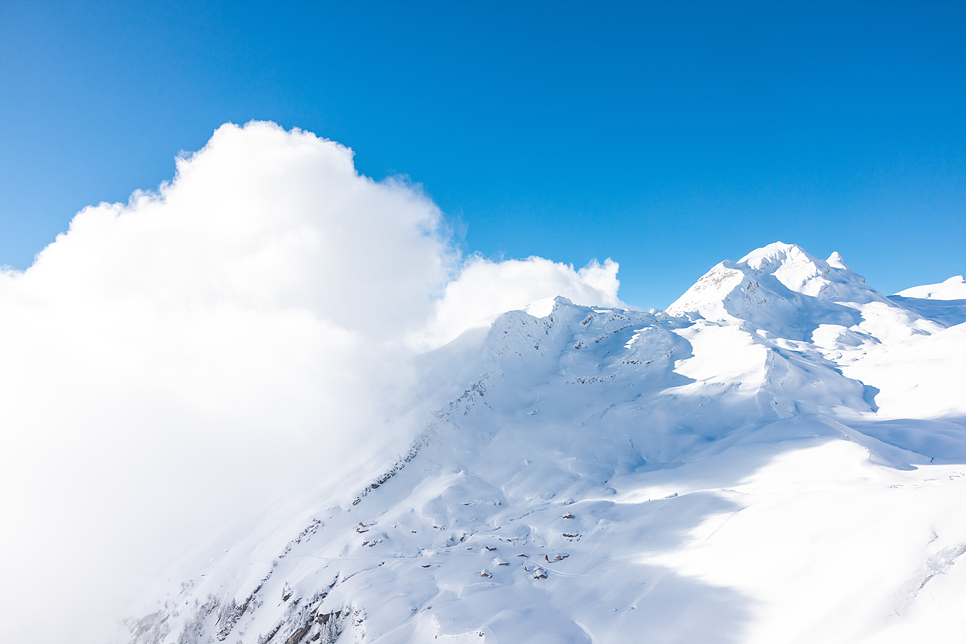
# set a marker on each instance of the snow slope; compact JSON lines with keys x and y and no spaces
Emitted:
{"x":778,"y":457}
{"x":952,"y":289}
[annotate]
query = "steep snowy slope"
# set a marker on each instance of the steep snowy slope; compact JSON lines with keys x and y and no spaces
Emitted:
{"x":779,"y":457}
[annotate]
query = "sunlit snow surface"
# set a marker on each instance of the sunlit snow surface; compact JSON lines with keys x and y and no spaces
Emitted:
{"x":779,"y":457}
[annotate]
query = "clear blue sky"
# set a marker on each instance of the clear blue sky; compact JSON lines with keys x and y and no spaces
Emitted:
{"x":668,"y":136}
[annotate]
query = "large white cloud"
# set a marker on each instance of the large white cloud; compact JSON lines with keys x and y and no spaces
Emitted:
{"x":176,"y":363}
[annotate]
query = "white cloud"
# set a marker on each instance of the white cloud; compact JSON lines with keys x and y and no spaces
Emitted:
{"x":485,"y":289}
{"x":171,"y":364}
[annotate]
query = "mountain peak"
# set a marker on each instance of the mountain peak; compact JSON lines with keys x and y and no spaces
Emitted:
{"x":776,"y":254}
{"x":835,"y":260}
{"x":795,"y":268}
{"x":774,"y":281}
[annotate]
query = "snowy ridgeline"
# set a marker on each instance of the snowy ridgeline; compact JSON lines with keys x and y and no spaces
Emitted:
{"x":779,"y":457}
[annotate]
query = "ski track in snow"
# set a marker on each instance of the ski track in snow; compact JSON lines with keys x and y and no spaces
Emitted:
{"x":779,"y":457}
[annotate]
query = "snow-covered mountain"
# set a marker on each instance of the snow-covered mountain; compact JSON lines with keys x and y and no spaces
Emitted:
{"x":778,"y":457}
{"x":952,"y":289}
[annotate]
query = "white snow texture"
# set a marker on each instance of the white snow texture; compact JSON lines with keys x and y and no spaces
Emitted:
{"x":778,"y":457}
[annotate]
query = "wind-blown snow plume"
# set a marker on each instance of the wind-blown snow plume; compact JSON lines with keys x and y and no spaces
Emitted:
{"x":175,"y":362}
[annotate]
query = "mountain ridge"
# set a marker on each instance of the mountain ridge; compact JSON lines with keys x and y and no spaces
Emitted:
{"x":590,"y":477}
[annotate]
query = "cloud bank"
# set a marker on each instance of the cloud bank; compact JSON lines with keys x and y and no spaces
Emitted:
{"x":173,"y":365}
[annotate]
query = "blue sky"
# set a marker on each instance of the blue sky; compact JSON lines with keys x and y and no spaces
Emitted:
{"x":667,"y":136}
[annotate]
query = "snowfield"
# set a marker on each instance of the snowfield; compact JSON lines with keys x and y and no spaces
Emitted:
{"x":778,"y":457}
